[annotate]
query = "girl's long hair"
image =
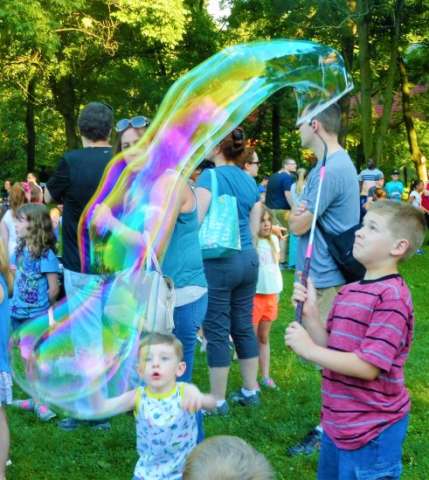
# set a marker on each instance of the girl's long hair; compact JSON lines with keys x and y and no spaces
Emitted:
{"x":4,"y":268}
{"x":269,"y":239}
{"x":40,"y":235}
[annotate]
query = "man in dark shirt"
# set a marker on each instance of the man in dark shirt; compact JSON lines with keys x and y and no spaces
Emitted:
{"x":73,"y":184}
{"x":278,"y":197}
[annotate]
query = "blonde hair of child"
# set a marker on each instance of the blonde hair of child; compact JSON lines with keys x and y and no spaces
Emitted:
{"x":225,"y":457}
{"x":4,"y":268}
{"x":17,"y":197}
{"x":265,"y":210}
{"x":404,"y":221}
{"x":162,"y":338}
{"x":300,"y":182}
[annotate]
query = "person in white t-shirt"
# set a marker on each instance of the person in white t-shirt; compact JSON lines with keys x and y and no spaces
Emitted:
{"x":268,"y":288}
{"x":416,"y":189}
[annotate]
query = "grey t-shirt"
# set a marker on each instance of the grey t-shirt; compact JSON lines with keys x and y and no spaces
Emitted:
{"x":339,"y":210}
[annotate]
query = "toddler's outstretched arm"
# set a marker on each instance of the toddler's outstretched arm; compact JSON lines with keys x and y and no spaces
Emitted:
{"x":194,"y":400}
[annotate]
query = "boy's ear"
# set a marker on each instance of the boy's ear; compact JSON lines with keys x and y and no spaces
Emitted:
{"x":400,"y":247}
{"x":181,"y":367}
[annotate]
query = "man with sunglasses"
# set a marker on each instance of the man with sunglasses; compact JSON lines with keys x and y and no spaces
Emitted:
{"x":73,"y":184}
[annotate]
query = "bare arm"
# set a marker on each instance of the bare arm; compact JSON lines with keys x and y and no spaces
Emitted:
{"x":109,"y":406}
{"x":47,"y":196}
{"x":300,"y":220}
{"x":53,"y":287}
{"x":288,"y":196}
{"x":345,"y":363}
{"x":104,"y":219}
{"x":194,"y":400}
{"x":255,"y":220}
{"x":204,"y":197}
{"x":2,"y":295}
{"x":4,"y":235}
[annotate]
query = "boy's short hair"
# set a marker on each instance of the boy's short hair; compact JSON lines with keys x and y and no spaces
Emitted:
{"x":163,"y":338}
{"x":330,"y":118}
{"x":95,"y":121}
{"x":405,"y":221}
{"x":224,"y":457}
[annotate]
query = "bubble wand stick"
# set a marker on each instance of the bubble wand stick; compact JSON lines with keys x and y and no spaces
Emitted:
{"x":309,"y":252}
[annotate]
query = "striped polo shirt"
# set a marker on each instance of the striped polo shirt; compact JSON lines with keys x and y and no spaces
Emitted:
{"x":374,"y":319}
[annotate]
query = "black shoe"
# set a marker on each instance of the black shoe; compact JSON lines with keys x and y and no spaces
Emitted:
{"x":309,"y":445}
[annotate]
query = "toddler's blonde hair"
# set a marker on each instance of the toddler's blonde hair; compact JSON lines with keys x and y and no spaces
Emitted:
{"x":226,"y":458}
{"x":163,"y":338}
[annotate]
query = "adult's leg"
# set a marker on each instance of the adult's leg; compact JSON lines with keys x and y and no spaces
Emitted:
{"x":4,"y":443}
{"x":187,"y":320}
{"x":217,"y":323}
{"x":325,"y":299}
{"x":246,"y":264}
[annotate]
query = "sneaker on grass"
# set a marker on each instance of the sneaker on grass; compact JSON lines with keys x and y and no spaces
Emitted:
{"x":27,"y":404}
{"x":246,"y":400}
{"x":309,"y":445}
{"x":269,"y":383}
{"x":220,"y":411}
{"x":44,"y":413}
{"x":69,"y":424}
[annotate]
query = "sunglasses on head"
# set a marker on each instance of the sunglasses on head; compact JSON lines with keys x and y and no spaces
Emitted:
{"x":136,"y":122}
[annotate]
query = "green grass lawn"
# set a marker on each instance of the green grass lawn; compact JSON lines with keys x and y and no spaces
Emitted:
{"x":42,"y":451}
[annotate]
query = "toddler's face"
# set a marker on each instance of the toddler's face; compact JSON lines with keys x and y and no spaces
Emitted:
{"x":159,"y":366}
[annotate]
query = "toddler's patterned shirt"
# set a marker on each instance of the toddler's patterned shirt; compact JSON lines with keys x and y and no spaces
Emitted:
{"x":166,"y":434}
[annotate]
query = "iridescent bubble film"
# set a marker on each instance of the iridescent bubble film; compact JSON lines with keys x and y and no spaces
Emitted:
{"x":142,"y":188}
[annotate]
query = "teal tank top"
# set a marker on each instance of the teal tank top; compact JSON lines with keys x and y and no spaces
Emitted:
{"x":183,"y":261}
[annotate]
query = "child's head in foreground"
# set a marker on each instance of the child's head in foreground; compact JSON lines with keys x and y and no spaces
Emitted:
{"x":391,"y":232}
{"x":226,"y":458}
{"x":161,"y":361}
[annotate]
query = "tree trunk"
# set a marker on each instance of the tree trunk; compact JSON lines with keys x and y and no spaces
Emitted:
{"x":347,"y":49}
{"x":388,"y":95}
{"x":417,"y":157}
{"x":66,"y":103}
{"x":275,"y":131}
{"x":365,"y":76}
{"x":29,"y":125}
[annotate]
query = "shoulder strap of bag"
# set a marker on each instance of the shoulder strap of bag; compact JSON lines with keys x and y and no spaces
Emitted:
{"x":324,"y":233}
{"x":151,"y":258}
{"x":214,"y":184}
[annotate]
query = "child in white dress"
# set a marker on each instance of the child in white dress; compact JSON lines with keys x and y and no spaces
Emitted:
{"x":268,"y":288}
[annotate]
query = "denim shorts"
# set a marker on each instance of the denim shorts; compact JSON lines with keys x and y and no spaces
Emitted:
{"x":379,"y":459}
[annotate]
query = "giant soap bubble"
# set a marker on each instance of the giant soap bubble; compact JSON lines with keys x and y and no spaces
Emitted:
{"x":142,"y":190}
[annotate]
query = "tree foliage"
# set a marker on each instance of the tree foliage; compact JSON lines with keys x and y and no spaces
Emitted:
{"x":57,"y":55}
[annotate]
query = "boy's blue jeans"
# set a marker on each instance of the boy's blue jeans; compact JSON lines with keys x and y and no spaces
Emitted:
{"x":380,"y":459}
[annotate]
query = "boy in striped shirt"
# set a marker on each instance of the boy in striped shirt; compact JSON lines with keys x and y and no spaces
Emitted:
{"x":363,"y":350}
